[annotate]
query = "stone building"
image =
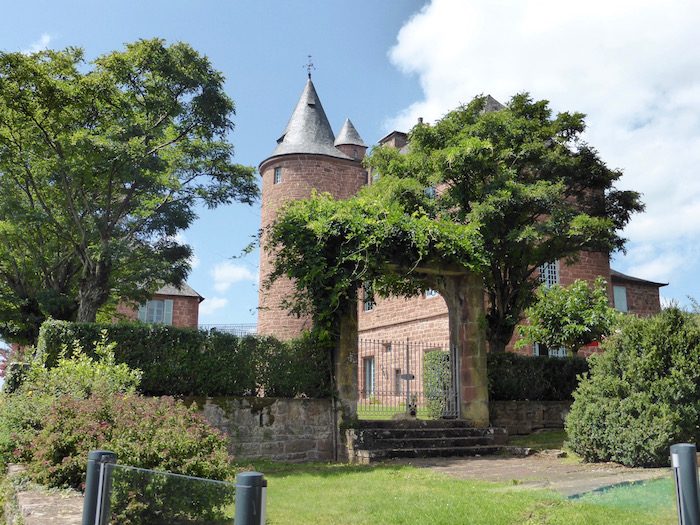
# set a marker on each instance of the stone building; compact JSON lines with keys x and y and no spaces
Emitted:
{"x":170,"y":305}
{"x":308,"y":156}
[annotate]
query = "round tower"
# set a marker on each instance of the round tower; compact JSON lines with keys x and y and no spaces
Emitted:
{"x":307,"y":157}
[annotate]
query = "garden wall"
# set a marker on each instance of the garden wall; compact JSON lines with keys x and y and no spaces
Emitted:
{"x":273,"y":428}
{"x":524,"y":417}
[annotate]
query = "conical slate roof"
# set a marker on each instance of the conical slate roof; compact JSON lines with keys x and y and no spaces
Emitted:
{"x":308,"y":130}
{"x":349,"y":135}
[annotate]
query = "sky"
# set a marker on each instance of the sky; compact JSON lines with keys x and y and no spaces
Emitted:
{"x":633,"y":67}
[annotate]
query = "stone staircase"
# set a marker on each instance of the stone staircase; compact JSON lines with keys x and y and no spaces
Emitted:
{"x":371,"y":441}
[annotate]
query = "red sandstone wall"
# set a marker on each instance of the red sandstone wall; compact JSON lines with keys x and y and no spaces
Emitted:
{"x":300,"y":174}
{"x":642,"y":299}
{"x":185,"y":310}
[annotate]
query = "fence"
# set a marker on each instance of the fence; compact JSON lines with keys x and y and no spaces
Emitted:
{"x":405,"y":377}
{"x":117,"y":494}
{"x":240,"y":330}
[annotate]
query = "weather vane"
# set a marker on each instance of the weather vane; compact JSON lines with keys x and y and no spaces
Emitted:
{"x":309,"y":66}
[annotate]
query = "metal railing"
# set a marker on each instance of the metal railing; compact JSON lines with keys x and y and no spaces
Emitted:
{"x":240,"y":330}
{"x":117,"y":494}
{"x":393,"y":376}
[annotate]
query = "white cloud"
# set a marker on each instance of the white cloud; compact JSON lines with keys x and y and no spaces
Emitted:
{"x":226,"y":274}
{"x":38,"y":45}
{"x":195,"y":261}
{"x":633,"y":66}
{"x":213,"y":304}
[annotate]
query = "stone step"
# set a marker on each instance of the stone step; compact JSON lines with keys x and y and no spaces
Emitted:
{"x":413,"y":423}
{"x":426,"y":443}
{"x":370,"y":456}
{"x":367,"y":434}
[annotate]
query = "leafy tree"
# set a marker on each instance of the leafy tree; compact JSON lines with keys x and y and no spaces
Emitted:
{"x":537,"y":191}
{"x":569,"y":317}
{"x":101,"y":164}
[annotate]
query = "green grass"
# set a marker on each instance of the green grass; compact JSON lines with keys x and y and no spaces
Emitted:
{"x":648,"y":495}
{"x":544,"y":440}
{"x":356,"y":495}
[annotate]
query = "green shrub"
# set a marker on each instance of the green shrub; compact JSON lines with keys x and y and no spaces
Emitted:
{"x":517,"y":377}
{"x":181,"y":361}
{"x":643,"y":392}
{"x":149,"y":433}
{"x":23,"y":412}
{"x":436,"y":381}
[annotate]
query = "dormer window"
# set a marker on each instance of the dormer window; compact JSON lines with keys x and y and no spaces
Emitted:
{"x":278,"y":176}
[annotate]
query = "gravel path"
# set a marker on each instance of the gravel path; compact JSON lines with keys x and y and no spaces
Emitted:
{"x":544,"y":470}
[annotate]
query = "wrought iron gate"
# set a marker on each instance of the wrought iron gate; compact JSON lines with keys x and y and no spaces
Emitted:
{"x":406,"y":377}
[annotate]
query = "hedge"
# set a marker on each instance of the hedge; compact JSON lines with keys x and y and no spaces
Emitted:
{"x":182,"y":361}
{"x":515,"y":377}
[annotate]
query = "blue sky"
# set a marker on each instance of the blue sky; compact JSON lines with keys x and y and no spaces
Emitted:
{"x":632,"y":66}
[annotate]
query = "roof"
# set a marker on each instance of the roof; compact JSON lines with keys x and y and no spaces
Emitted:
{"x":185,"y":290}
{"x":619,"y":276}
{"x":308,"y":130}
{"x":492,"y":105}
{"x":349,"y":135}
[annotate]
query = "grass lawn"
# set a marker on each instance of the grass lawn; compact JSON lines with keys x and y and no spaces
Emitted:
{"x":349,"y":494}
{"x":544,"y":440}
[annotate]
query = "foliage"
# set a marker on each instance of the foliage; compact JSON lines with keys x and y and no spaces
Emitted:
{"x":436,"y":382}
{"x":643,"y":392}
{"x":569,"y":317}
{"x":179,"y":361}
{"x":102,"y":164}
{"x":331,"y":248}
{"x":23,"y":412}
{"x":516,"y":377}
{"x":527,"y":181}
{"x":150,"y":433}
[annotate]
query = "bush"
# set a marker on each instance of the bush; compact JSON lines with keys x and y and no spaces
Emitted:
{"x":149,"y":433}
{"x":23,"y":412}
{"x":643,"y":393}
{"x":436,"y":381}
{"x":516,"y":377}
{"x":181,"y":361}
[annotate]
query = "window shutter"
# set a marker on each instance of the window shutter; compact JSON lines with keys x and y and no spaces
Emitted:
{"x":142,"y":312}
{"x":168,"y":312}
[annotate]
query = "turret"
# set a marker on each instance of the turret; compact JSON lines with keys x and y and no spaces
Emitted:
{"x":305,"y":158}
{"x":350,"y":142}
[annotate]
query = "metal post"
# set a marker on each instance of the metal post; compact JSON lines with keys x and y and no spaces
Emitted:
{"x":408,"y":383}
{"x":685,"y":472}
{"x":98,"y":484}
{"x":251,"y":492}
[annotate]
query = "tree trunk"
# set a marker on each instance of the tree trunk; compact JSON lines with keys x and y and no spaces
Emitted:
{"x":93,"y":291}
{"x":464,"y":295}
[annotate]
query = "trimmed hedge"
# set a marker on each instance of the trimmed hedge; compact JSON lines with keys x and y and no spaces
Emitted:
{"x":514,"y":377}
{"x":181,"y":361}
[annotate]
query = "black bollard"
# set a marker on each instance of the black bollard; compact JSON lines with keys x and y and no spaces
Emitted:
{"x":98,"y":485}
{"x":685,"y":472}
{"x":251,"y":488}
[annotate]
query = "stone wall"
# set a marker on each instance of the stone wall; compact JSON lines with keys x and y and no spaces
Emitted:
{"x":273,"y":428}
{"x":524,"y":417}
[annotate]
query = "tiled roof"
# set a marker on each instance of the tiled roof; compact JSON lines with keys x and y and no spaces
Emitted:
{"x":308,"y":130}
{"x":619,"y":276}
{"x":185,"y":290}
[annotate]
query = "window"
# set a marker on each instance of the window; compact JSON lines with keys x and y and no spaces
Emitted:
{"x":431,"y":293}
{"x":367,"y":297}
{"x":620,"y":298}
{"x":278,"y":176}
{"x":539,"y":349}
{"x":157,"y":311}
{"x":368,"y":365}
{"x":549,"y":274}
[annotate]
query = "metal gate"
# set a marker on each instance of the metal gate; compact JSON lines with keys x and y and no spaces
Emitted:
{"x":406,"y":377}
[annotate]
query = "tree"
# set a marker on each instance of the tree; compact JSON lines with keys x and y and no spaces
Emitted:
{"x":537,"y":191}
{"x":569,"y":317}
{"x":102,"y":164}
